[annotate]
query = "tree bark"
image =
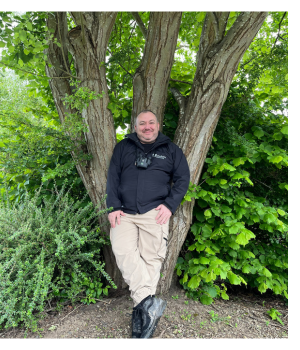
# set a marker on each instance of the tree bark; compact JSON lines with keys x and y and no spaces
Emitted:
{"x":150,"y":82}
{"x":217,"y":61}
{"x":87,"y":43}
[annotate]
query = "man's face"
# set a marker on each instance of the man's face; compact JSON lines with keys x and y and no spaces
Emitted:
{"x":147,"y":127}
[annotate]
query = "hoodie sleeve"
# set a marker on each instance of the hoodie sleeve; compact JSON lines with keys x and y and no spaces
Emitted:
{"x":181,"y":180}
{"x":113,"y":179}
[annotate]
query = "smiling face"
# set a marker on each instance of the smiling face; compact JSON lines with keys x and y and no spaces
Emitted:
{"x":147,"y":127}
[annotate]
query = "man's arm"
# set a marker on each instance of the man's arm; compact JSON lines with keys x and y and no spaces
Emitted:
{"x":181,"y":180}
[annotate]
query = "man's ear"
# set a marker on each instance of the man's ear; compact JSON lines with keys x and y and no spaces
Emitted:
{"x":135,"y":127}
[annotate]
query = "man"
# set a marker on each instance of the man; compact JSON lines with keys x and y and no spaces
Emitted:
{"x":139,"y":189}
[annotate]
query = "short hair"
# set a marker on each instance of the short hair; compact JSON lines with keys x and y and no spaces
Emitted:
{"x":145,"y":111}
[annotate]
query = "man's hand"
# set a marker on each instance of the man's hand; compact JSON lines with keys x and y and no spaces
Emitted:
{"x":115,"y":215}
{"x":163,"y":215}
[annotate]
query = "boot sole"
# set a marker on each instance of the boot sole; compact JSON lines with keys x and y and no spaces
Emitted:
{"x":159,"y":312}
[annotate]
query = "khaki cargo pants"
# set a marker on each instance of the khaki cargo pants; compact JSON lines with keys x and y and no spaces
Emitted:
{"x":139,"y":245}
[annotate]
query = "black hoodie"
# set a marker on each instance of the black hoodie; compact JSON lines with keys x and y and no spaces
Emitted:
{"x":138,"y":190}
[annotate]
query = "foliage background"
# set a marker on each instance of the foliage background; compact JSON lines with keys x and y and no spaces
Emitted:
{"x":239,"y":231}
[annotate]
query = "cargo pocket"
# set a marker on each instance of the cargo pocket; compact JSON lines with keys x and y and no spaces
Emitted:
{"x":164,"y":243}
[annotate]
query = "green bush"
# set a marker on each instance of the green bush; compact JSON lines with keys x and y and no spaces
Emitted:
{"x":48,"y":250}
{"x":239,"y":232}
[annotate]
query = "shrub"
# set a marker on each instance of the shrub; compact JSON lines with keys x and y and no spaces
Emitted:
{"x":46,"y":250}
{"x":239,"y":232}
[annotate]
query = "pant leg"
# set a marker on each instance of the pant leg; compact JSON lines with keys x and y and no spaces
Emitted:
{"x":125,"y":245}
{"x":152,"y":244}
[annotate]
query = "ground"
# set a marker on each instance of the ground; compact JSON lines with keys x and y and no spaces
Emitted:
{"x":244,"y":315}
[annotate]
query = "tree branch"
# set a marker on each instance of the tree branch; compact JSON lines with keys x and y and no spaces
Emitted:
{"x":140,"y":23}
{"x":278,"y":34}
{"x":39,"y":75}
{"x":82,"y":29}
{"x":210,"y":44}
{"x":214,"y":20}
{"x":181,"y":100}
{"x":181,"y":81}
{"x":120,"y":64}
{"x":61,"y":43}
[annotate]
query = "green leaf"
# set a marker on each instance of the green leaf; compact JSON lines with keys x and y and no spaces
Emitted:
{"x":259,"y":133}
{"x":223,"y":274}
{"x":262,"y":287}
{"x":266,"y":272}
{"x":212,"y":291}
{"x":232,"y":253}
{"x":234,"y":229}
{"x":269,"y":218}
{"x":225,"y":209}
{"x":216,"y":211}
{"x":241,"y":203}
{"x":22,"y":35}
{"x":244,"y":237}
{"x":233,"y":278}
{"x":208,"y":213}
{"x":206,"y":231}
{"x":2,"y":44}
{"x":224,"y":295}
{"x":281,"y":212}
{"x":200,"y":16}
{"x":200,"y":247}
{"x":29,"y":26}
{"x":275,"y":159}
{"x":237,"y":176}
{"x":206,"y":300}
{"x":234,"y":245}
{"x":246,"y":268}
{"x":203,"y":260}
{"x":277,"y":136}
{"x":196,"y":228}
{"x":284,"y":130}
{"x":185,"y":278}
{"x":194,"y":282}
{"x":238,"y":161}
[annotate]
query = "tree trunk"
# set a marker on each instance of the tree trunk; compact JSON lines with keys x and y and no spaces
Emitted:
{"x":151,"y":79}
{"x":217,"y":62}
{"x":87,"y":43}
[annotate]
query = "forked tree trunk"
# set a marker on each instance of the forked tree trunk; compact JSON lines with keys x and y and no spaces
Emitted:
{"x":151,"y":79}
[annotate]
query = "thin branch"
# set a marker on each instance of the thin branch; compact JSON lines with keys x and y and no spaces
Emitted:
{"x":38,"y":75}
{"x":278,"y":34}
{"x":120,"y":64}
{"x":71,"y":312}
{"x":181,"y":81}
{"x":263,"y":184}
{"x":140,"y":23}
{"x":243,"y":65}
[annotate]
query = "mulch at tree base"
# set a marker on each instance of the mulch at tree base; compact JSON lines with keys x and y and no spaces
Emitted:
{"x":244,"y":315}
